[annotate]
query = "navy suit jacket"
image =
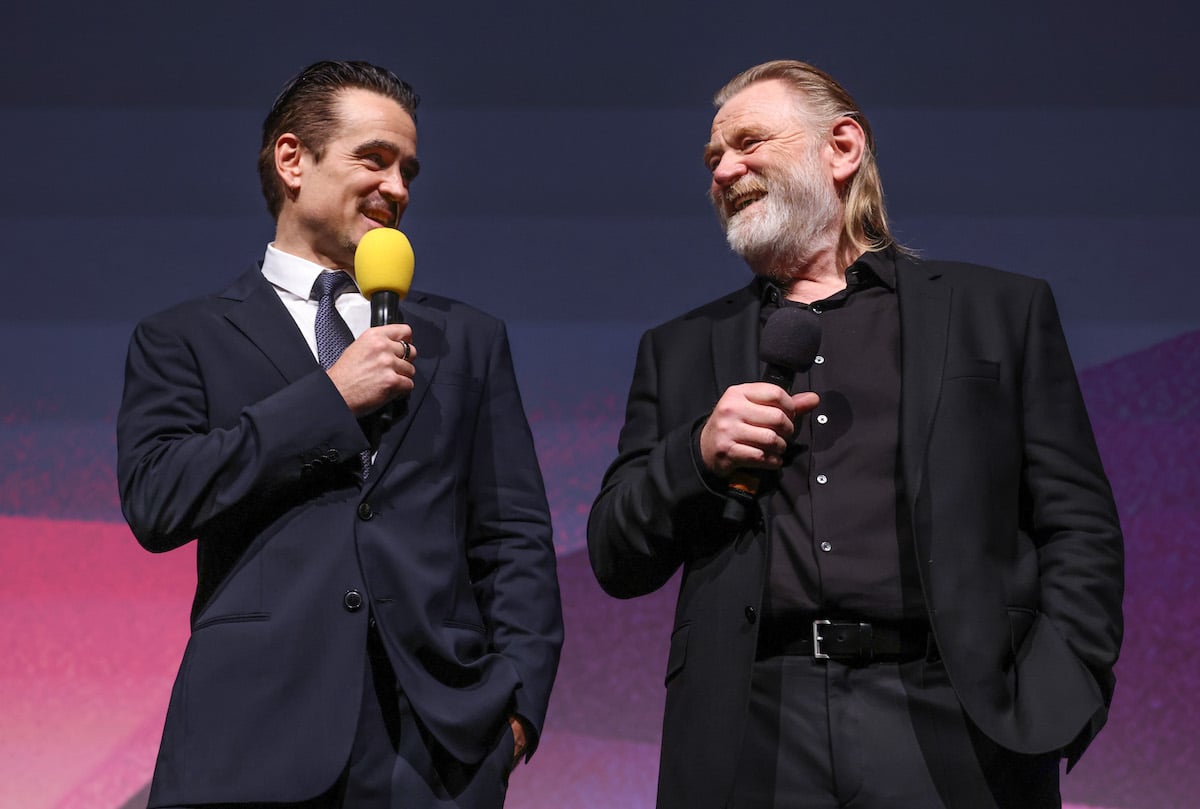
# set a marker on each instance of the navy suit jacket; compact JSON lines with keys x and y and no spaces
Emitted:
{"x":1017,"y":538}
{"x":230,"y":433}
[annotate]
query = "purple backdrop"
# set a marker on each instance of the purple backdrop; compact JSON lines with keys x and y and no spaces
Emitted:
{"x":563,"y":190}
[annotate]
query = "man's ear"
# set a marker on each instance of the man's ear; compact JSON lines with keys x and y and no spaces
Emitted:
{"x":288,"y":153}
{"x":848,"y":144}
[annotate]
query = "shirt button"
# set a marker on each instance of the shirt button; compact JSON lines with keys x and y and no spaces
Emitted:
{"x":822,"y":479}
{"x":826,"y":546}
{"x":751,"y":614}
{"x":822,"y":419}
{"x":819,"y":360}
{"x":365,"y":512}
{"x":816,"y":310}
{"x":352,"y":600}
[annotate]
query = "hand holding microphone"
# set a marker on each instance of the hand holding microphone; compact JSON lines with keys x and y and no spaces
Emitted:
{"x":367,"y":373}
{"x":750,"y":428}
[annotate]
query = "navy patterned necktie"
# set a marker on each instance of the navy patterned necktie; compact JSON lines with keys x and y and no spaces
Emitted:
{"x":333,"y":335}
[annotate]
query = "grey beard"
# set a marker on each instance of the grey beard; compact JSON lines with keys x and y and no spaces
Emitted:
{"x":797,"y":219}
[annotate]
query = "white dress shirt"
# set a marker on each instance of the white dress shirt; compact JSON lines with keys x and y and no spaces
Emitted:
{"x":293,"y":279}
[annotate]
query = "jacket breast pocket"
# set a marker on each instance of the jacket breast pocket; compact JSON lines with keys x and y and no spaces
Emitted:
{"x":973,"y":369}
{"x":453,"y":379}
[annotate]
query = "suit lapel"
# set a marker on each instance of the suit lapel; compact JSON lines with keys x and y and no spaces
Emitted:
{"x":735,"y":340}
{"x":425,"y":322}
{"x":266,"y":323}
{"x":924,"y":299}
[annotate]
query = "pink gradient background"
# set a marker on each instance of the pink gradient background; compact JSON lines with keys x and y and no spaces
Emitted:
{"x":93,"y":626}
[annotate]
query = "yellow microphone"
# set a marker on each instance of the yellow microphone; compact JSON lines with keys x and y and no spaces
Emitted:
{"x":383,"y":267}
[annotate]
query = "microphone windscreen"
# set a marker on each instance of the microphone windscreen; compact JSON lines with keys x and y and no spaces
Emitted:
{"x":790,"y":338}
{"x":384,"y":262}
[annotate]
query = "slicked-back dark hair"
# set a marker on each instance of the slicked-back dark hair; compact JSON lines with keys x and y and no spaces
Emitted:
{"x":307,"y":107}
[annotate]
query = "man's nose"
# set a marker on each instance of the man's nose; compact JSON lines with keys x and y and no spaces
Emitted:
{"x":395,"y":187}
{"x":729,"y":169}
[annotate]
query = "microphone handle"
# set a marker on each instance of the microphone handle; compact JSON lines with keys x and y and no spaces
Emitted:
{"x":743,"y":484}
{"x":385,"y":308}
{"x":739,"y":496}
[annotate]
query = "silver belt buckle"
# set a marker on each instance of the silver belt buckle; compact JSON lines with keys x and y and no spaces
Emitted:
{"x":816,"y":632}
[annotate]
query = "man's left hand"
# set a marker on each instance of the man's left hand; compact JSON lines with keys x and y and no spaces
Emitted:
{"x":518,"y":732}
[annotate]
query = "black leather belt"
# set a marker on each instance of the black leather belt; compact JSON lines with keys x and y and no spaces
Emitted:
{"x":847,"y":641}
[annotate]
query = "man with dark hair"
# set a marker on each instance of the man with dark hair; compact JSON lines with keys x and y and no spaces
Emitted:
{"x":376,"y":621}
{"x":921,"y":608}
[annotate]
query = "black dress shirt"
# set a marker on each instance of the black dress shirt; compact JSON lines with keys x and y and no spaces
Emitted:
{"x":840,"y":546}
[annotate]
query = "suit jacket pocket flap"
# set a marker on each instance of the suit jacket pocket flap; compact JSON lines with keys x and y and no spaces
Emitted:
{"x":966,"y":368}
{"x":678,"y":653}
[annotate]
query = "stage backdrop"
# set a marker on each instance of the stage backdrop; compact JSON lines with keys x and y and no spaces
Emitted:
{"x":563,"y":190}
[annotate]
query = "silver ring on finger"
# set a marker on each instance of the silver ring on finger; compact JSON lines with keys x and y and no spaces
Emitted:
{"x":407,"y":349}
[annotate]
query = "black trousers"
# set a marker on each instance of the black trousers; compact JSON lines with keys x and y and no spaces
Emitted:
{"x":824,"y":735}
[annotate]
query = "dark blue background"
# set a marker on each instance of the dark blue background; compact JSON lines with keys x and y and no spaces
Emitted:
{"x":562,"y":189}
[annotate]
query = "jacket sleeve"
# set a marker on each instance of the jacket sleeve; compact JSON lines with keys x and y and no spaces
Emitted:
{"x":654,"y":505}
{"x":177,"y":470}
{"x":510,"y":544}
{"x":1067,"y":501}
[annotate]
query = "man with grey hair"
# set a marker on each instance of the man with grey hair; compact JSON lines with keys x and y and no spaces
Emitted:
{"x":917,"y":600}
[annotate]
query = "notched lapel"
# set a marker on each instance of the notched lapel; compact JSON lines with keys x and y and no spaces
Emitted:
{"x":735,"y":341}
{"x":427,"y":323}
{"x":261,"y":316}
{"x":925,"y":300}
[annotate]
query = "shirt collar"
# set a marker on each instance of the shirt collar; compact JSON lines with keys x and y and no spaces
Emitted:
{"x":880,"y":264}
{"x":292,"y":274}
{"x":874,"y":266}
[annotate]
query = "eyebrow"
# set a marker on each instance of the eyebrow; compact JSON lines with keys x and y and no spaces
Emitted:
{"x":412,"y":163}
{"x":377,"y":143}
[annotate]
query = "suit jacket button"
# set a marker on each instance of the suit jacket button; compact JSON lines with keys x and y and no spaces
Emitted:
{"x":365,"y":511}
{"x":333,"y":456}
{"x":751,"y":614}
{"x":352,"y":600}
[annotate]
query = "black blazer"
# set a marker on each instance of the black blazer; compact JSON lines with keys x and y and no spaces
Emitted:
{"x":1017,"y":537}
{"x":230,"y":433}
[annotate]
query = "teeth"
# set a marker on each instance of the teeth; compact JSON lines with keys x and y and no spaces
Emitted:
{"x":741,"y":203}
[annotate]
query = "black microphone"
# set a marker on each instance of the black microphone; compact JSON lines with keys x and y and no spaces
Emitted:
{"x":385,"y":308}
{"x":788,"y":344}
